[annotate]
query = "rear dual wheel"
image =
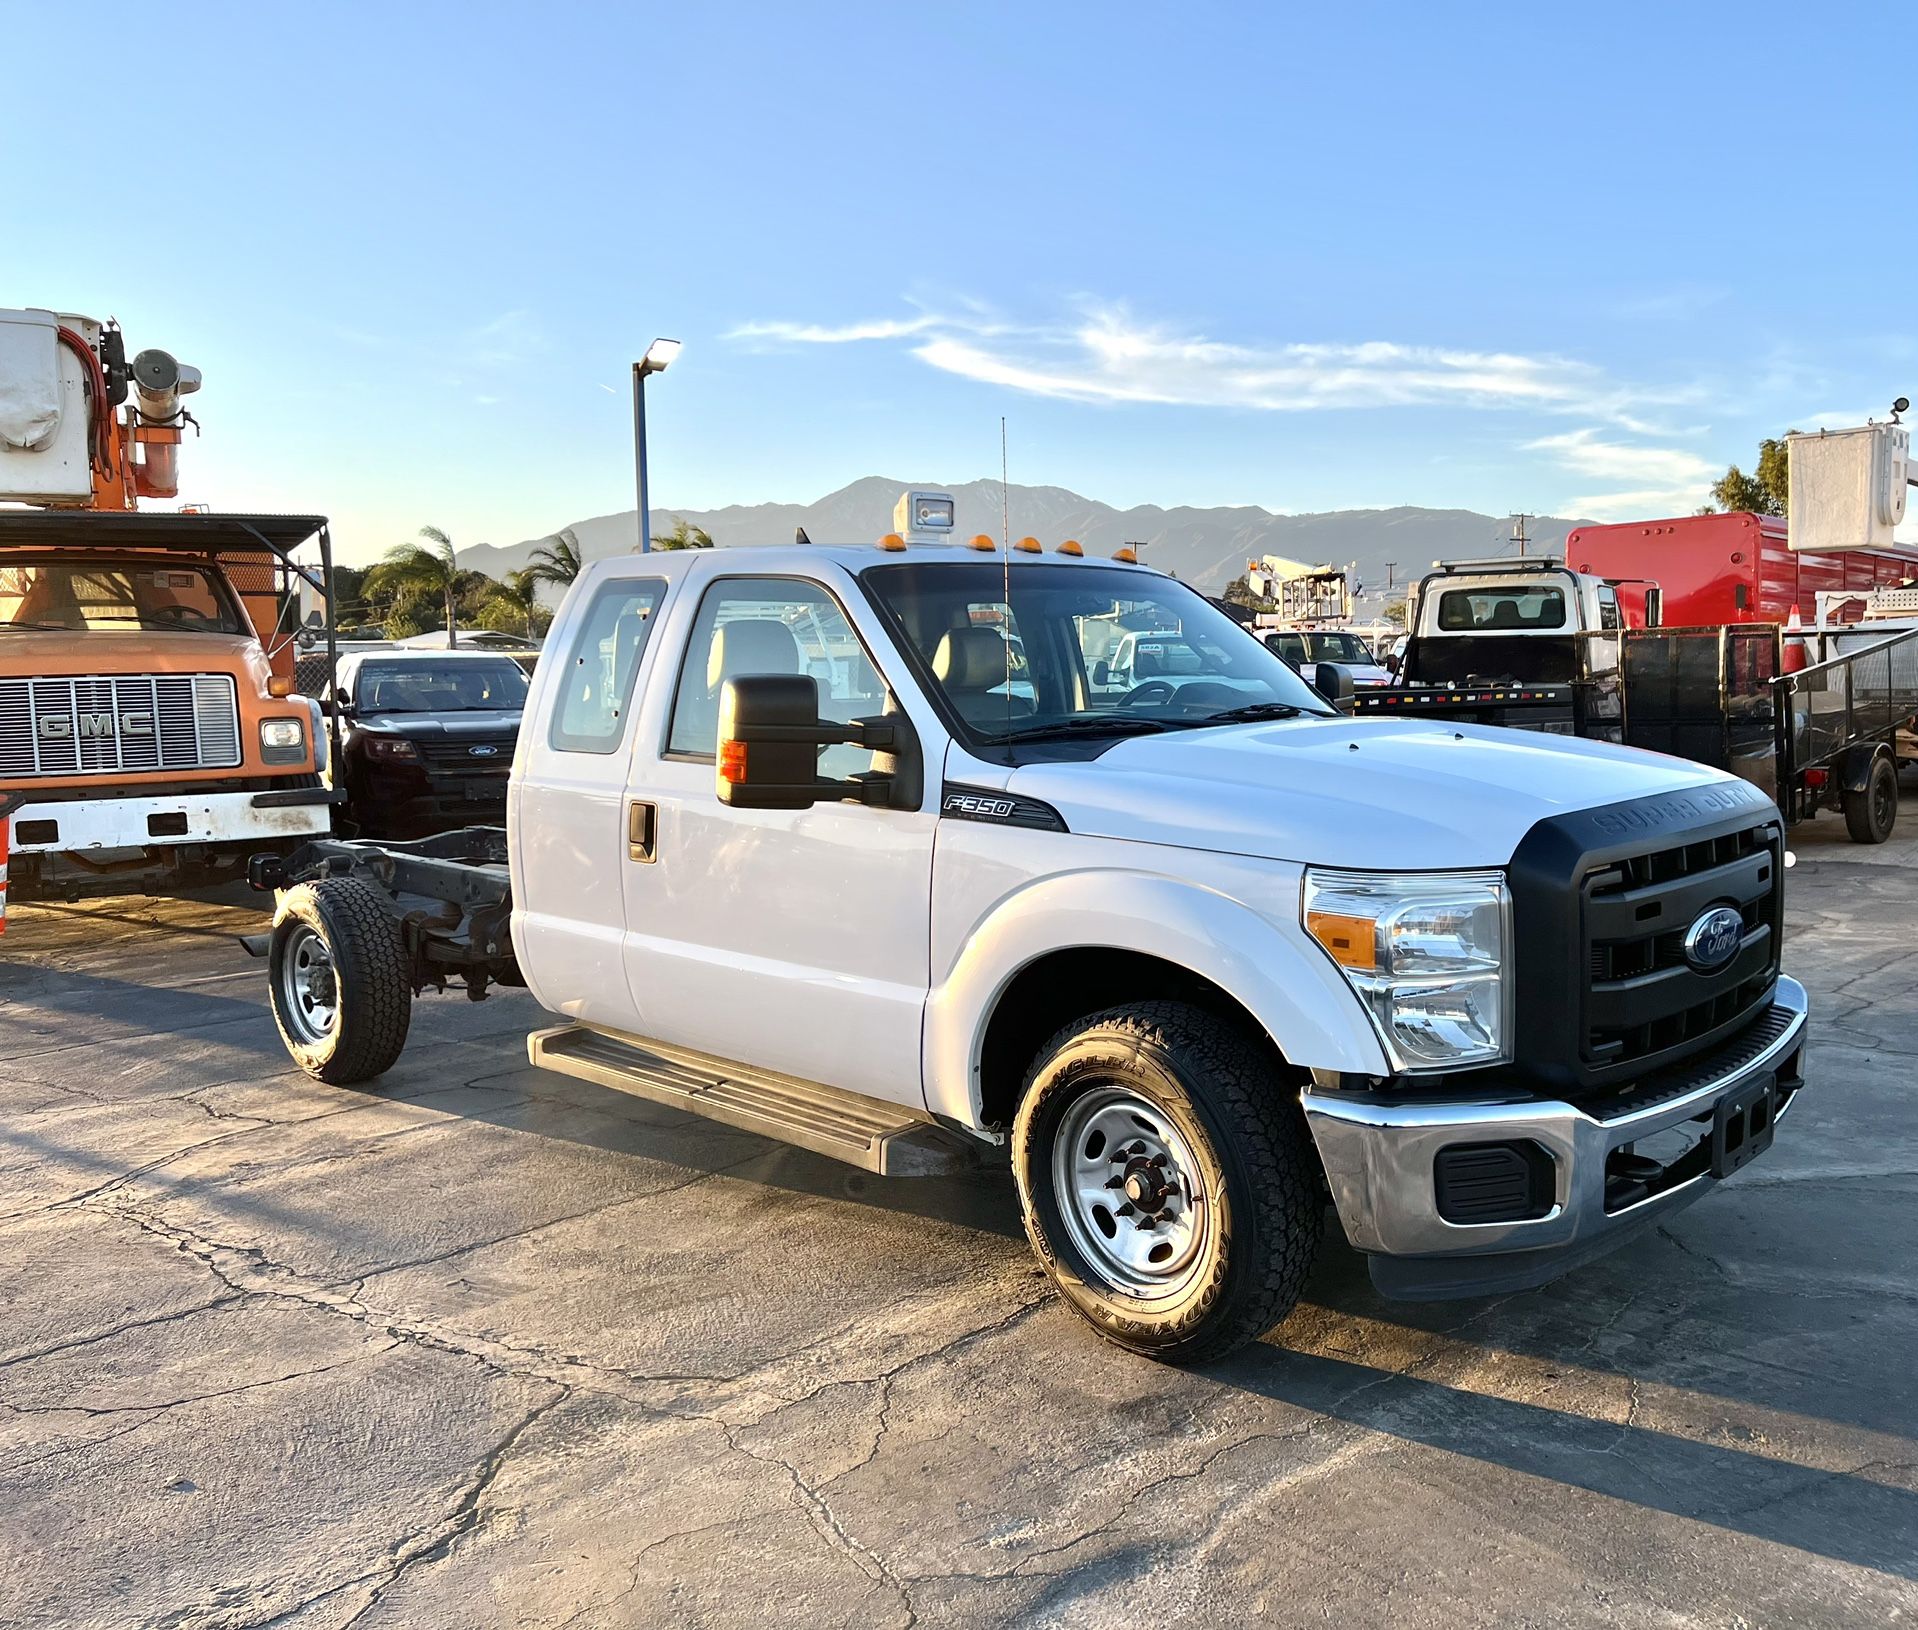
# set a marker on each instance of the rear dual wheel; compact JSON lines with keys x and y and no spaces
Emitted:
{"x":1167,"y":1180}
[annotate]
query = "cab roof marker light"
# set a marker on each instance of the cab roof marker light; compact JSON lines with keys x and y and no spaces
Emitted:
{"x":1069,"y":547}
{"x":1129,"y":556}
{"x":892,"y":543}
{"x":982,"y":543}
{"x":1028,"y":546}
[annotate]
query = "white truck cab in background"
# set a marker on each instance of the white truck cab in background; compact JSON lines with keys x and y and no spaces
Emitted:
{"x":788,"y":848}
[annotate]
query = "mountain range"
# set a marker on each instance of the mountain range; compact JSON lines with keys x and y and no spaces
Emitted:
{"x":1204,"y":547}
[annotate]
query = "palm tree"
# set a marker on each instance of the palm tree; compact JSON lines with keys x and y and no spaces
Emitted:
{"x":519,"y":593}
{"x":557,"y":560}
{"x":411,"y":568}
{"x":684,"y":536}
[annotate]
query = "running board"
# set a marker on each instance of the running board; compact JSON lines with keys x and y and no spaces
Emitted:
{"x":880,"y":1137}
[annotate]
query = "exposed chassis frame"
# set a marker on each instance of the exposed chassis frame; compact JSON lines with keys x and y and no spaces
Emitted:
{"x":451,"y":900}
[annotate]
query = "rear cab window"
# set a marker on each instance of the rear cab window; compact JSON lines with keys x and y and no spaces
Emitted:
{"x":1518,"y":608}
{"x":596,"y":683}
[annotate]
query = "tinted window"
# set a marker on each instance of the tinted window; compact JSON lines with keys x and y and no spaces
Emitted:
{"x":453,"y":685}
{"x":772,"y":625}
{"x":596,"y":685}
{"x":1501,"y":610}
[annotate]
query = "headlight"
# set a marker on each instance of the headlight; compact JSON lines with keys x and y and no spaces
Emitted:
{"x":390,"y":747}
{"x":282,"y":733}
{"x":1426,"y":953}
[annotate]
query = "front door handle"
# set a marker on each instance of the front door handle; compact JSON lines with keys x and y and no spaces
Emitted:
{"x":642,"y":830}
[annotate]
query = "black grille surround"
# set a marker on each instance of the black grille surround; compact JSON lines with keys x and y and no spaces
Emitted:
{"x":1601,"y":901}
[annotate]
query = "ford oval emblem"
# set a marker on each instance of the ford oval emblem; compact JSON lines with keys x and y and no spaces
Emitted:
{"x":1714,"y":938}
{"x":482,"y":751}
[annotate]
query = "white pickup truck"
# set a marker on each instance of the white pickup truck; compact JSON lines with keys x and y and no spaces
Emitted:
{"x":788,"y":846}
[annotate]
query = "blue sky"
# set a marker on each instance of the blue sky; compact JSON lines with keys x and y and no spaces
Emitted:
{"x":1561,"y":259}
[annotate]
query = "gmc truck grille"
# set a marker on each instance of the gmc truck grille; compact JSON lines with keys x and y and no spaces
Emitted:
{"x":111,"y":724}
{"x":1603,"y":902}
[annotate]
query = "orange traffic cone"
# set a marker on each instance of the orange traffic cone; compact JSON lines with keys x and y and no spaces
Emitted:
{"x":1797,"y":655}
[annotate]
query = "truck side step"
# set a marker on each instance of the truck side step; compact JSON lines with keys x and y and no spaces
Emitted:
{"x":880,"y":1137}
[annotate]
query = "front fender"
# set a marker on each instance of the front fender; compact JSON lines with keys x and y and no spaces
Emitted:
{"x":1265,"y":963}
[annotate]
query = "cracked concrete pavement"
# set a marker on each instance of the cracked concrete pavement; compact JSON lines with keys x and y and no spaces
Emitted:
{"x":490,"y":1347}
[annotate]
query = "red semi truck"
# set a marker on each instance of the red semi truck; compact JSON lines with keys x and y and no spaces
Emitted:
{"x":1719,"y":569}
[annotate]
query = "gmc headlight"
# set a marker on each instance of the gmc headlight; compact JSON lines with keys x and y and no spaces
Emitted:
{"x":1426,"y":952}
{"x":282,"y":733}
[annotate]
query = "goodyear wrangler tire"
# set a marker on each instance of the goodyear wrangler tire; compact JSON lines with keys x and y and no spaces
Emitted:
{"x":338,"y":976}
{"x":1167,"y":1180}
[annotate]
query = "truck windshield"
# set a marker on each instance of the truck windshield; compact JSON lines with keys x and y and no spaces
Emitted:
{"x":455,"y":686}
{"x":80,"y":598}
{"x":1047,"y":649}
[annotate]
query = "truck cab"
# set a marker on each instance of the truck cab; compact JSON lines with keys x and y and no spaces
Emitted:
{"x":1515,"y":621}
{"x":1201,"y":960}
{"x":141,"y":723}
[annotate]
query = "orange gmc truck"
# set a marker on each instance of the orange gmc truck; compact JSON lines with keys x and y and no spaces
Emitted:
{"x":143,"y":725}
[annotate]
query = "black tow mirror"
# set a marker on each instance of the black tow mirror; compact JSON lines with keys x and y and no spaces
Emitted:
{"x":1334,"y":683}
{"x":770,"y":734}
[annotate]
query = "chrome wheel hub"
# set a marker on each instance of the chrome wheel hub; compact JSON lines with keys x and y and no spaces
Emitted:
{"x":1130,"y":1192}
{"x":309,"y":986}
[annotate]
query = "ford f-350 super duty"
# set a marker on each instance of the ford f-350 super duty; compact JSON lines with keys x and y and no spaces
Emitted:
{"x":791,"y":844}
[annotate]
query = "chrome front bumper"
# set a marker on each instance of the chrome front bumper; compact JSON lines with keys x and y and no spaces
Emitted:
{"x":1379,"y":1163}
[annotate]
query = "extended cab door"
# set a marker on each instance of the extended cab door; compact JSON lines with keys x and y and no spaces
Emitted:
{"x":567,"y":800}
{"x":796,"y":940}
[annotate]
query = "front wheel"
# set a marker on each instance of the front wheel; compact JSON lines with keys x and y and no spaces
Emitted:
{"x":1167,"y":1180}
{"x":341,"y":995}
{"x":1871,"y":812}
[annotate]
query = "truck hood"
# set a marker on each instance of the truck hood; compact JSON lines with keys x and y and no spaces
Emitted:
{"x":478,"y":724}
{"x":1386,"y":794}
{"x":53,"y":653}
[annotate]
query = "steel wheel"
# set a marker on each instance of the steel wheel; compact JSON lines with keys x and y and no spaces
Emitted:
{"x":1129,"y":1191}
{"x":309,"y":986}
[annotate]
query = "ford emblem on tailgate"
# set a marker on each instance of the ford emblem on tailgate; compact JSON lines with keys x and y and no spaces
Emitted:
{"x":1713,"y":938}
{"x":482,"y":752}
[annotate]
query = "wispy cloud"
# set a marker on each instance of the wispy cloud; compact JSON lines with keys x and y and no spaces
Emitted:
{"x":1105,"y":354}
{"x":883,"y":328}
{"x":1665,"y":479}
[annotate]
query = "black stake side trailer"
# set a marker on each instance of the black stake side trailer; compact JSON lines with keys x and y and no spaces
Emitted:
{"x":1828,"y":736}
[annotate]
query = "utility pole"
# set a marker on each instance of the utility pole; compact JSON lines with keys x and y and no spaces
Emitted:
{"x":1391,"y":566}
{"x":1518,"y":531}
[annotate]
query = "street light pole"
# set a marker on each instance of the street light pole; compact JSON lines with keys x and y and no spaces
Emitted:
{"x":658,"y":355}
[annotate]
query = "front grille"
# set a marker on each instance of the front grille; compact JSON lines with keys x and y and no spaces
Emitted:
{"x":458,"y":758}
{"x":1602,"y":900}
{"x":1644,"y":998}
{"x":111,"y":724}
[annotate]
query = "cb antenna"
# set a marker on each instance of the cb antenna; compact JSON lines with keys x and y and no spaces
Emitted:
{"x":1005,"y":567}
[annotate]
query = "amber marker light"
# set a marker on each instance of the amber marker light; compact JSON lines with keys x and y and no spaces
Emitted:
{"x":892,"y":543}
{"x":981,"y":542}
{"x":1349,"y":941}
{"x":732,"y":761}
{"x":1070,"y":547}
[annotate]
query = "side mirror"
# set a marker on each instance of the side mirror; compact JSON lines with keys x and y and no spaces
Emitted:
{"x":1654,"y":607}
{"x":1334,"y":683}
{"x":1391,"y":662}
{"x":1101,"y":674}
{"x":770,"y":734}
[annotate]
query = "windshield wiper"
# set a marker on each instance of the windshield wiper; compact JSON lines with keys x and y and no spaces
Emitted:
{"x":1252,"y":711}
{"x":1087,"y":726}
{"x":45,"y":628}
